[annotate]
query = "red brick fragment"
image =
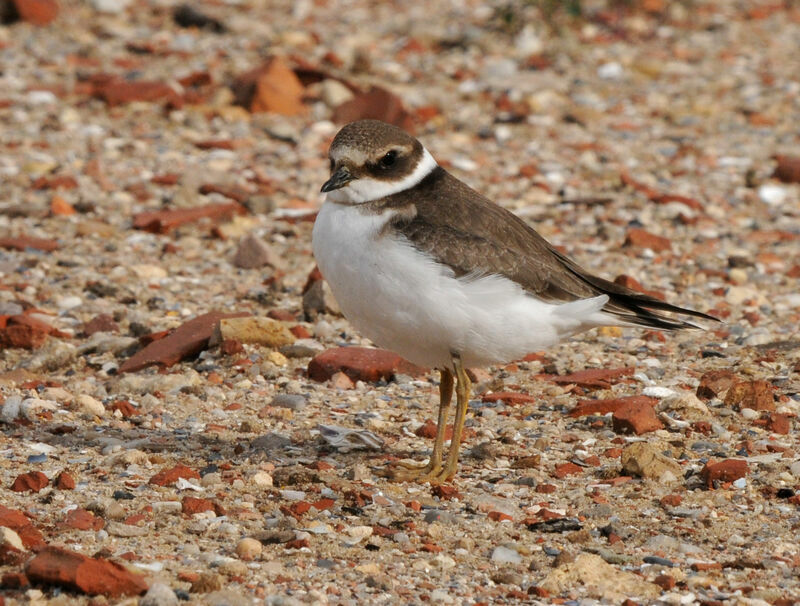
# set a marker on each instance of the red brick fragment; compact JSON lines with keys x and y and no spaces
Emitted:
{"x":64,"y":481}
{"x":125,"y":408}
{"x":728,"y":470}
{"x":546,"y":488}
{"x":54,"y":566}
{"x":428,"y":430}
{"x":163,"y":221}
{"x":715,"y":383}
{"x":499,"y":516}
{"x":14,"y":580}
{"x":634,"y":284}
{"x":119,"y":91}
{"x":33,"y":481}
{"x":567,"y":469}
{"x":671,"y":500}
{"x":604,"y":406}
{"x":508,"y":397}
{"x":376,"y":103}
{"x":360,"y":364}
{"x":18,"y":522}
{"x":37,"y":12}
{"x":592,"y":378}
{"x":59,"y":207}
{"x":640,"y":237}
{"x":636,"y":418}
{"x":787,"y":169}
{"x":757,"y":395}
{"x":55,"y":182}
{"x":297,"y":544}
{"x":81,"y":519}
{"x":186,"y":341}
{"x":169,"y":476}
{"x":193,"y":505}
{"x":705,"y":566}
{"x":100,"y":323}
{"x":270,"y":87}
{"x":431,"y":548}
{"x":779,"y":423}
{"x":238,"y":194}
{"x":323,"y":504}
{"x":665,"y":581}
{"x":446,"y":491}
{"x":23,"y":243}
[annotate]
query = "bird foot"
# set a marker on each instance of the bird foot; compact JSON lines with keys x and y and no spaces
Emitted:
{"x":433,"y":473}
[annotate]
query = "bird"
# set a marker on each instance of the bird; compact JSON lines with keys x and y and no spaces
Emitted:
{"x":423,"y":265}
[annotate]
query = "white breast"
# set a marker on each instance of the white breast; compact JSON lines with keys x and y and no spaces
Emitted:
{"x":403,"y":300}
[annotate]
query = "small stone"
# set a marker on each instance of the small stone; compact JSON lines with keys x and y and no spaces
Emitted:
{"x":206,"y":583}
{"x":504,"y":555}
{"x":159,"y":594}
{"x":256,"y":330}
{"x":290,"y":401}
{"x":248,"y":549}
{"x":253,"y":253}
{"x":333,"y":93}
{"x":645,"y":460}
{"x":599,"y":580}
{"x":319,"y":299}
{"x":341,"y":381}
{"x":9,"y":537}
{"x":89,"y":406}
{"x":774,"y":195}
{"x":262,"y":479}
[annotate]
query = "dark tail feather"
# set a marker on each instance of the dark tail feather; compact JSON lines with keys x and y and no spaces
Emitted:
{"x":638,"y":309}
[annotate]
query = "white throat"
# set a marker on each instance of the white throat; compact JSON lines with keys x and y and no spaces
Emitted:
{"x":364,"y":190}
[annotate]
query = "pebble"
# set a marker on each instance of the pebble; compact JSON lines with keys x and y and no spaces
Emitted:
{"x":262,"y":479}
{"x":10,"y":538}
{"x":504,"y":555}
{"x":248,"y":549}
{"x":159,"y":594}
{"x":774,"y":195}
{"x":290,"y":401}
{"x":90,"y":406}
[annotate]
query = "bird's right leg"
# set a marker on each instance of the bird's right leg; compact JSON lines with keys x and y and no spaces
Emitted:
{"x":421,"y":473}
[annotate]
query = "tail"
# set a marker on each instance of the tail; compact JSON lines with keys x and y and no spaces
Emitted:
{"x":638,"y":309}
{"x":631,"y":308}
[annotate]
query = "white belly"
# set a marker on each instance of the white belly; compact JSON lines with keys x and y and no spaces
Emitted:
{"x":405,"y":301}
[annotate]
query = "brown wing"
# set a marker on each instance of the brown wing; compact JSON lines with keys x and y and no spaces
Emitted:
{"x":472,"y":235}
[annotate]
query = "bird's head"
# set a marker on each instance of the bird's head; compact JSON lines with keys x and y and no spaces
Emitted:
{"x":371,"y":160}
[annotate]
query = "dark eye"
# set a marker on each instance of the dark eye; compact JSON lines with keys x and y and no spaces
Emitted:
{"x":333,"y":164}
{"x":388,"y":159}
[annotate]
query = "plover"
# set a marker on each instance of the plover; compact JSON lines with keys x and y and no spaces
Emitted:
{"x":423,"y":265}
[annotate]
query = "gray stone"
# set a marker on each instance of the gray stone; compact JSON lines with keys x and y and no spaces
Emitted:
{"x":271,"y":441}
{"x":159,"y":594}
{"x":289,"y":400}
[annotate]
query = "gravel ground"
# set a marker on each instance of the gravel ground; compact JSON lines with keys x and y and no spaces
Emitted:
{"x":656,"y":145}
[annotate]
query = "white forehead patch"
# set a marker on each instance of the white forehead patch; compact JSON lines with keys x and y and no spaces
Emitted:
{"x":367,"y":189}
{"x":346,"y":152}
